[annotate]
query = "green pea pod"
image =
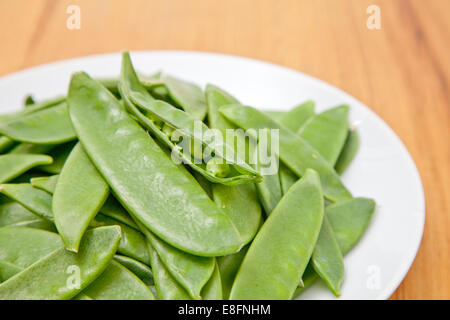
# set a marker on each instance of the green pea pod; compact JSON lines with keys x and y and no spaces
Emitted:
{"x":20,"y":247}
{"x":37,"y":201}
{"x":118,"y":283}
{"x":327,"y":258}
{"x":288,"y":235}
{"x":136,"y":96}
{"x":78,"y":180}
{"x":29,"y":148}
{"x":349,"y":220}
{"x":5,"y":144}
{"x":167,"y":201}
{"x":139,"y":269}
{"x":326,"y":132}
{"x":213,"y":288}
{"x":13,"y":214}
{"x":185,"y":94}
{"x":295,"y":152}
{"x":191,"y":272}
{"x":240,"y":202}
{"x":63,"y":274}
{"x":13,"y":165}
{"x":228,"y":268}
{"x":132,"y":243}
{"x":294,"y":119}
{"x":59,"y":155}
{"x":287,"y":178}
{"x":31,"y":109}
{"x":47,"y":184}
{"x":47,"y":126}
{"x":348,"y":152}
{"x":167,"y":288}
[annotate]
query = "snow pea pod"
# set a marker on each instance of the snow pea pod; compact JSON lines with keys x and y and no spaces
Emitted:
{"x":31,"y":109}
{"x":213,"y":288}
{"x":20,"y":247}
{"x":13,"y":165}
{"x":13,"y":214}
{"x":275,"y":261}
{"x":295,"y":152}
{"x":228,"y":268}
{"x":348,"y":152}
{"x":118,"y":283}
{"x":191,"y":272}
{"x":239,"y":202}
{"x":295,"y":118}
{"x":48,"y":126}
{"x":186,"y":95}
{"x":48,"y":278}
{"x":142,"y":271}
{"x":186,"y":127}
{"x":327,"y":258}
{"x":79,"y":194}
{"x":172,"y":205}
{"x":327,"y":131}
{"x":29,"y":148}
{"x":167,"y":288}
{"x":5,"y":144}
{"x":47,"y":184}
{"x":37,"y":201}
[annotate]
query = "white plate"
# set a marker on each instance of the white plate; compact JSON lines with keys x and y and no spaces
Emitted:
{"x":382,"y":169}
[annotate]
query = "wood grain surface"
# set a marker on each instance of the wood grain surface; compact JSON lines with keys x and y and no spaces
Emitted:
{"x":401,"y":71}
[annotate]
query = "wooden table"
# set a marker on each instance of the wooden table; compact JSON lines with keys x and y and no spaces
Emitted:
{"x":401,"y":71}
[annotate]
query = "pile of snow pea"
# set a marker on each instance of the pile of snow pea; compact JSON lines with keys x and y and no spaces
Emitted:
{"x":93,"y":205}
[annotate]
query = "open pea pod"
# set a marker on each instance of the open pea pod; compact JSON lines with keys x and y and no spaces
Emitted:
{"x":167,"y":288}
{"x":48,"y":126}
{"x":79,"y":179}
{"x":191,"y":272}
{"x":239,"y":202}
{"x":195,"y":136}
{"x":289,"y":236}
{"x":13,"y":165}
{"x":167,"y":201}
{"x":118,"y":283}
{"x":141,"y":270}
{"x":63,"y":274}
{"x":20,"y":247}
{"x":327,"y":131}
{"x":13,"y":214}
{"x":294,"y":151}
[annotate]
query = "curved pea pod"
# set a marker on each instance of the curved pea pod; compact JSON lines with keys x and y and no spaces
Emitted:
{"x":37,"y":201}
{"x":294,"y":151}
{"x":13,"y":165}
{"x":228,"y":268}
{"x":142,"y":271}
{"x":277,"y":257}
{"x":349,"y":220}
{"x":240,"y":202}
{"x":287,"y":178}
{"x":191,"y":272}
{"x":295,"y":118}
{"x":59,"y":155}
{"x":128,"y":158}
{"x":48,"y":126}
{"x":326,"y":132}
{"x":327,"y":258}
{"x":20,"y":247}
{"x":132,"y":243}
{"x":47,"y":184}
{"x":186,"y":95}
{"x":63,"y":274}
{"x":348,"y":152}
{"x":167,"y":288}
{"x":118,"y":283}
{"x":5,"y":144}
{"x":181,"y":125}
{"x":79,"y":180}
{"x":213,"y":288}
{"x":13,"y":214}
